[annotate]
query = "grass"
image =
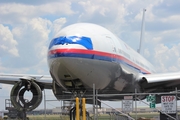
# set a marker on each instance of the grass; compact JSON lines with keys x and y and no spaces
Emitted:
{"x":48,"y":117}
{"x":146,"y":115}
{"x":100,"y":117}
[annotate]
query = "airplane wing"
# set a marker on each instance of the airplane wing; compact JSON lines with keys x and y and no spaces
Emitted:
{"x":162,"y":82}
{"x":44,"y":80}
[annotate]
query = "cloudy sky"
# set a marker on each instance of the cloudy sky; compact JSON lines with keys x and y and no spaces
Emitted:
{"x":26,"y":28}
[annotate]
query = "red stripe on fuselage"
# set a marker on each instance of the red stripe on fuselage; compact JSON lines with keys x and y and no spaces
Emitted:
{"x":83,"y":51}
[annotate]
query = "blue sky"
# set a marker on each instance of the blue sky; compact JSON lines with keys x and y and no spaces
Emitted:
{"x":26,"y":28}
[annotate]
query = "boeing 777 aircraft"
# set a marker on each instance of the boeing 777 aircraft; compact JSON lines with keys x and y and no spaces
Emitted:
{"x":84,"y":54}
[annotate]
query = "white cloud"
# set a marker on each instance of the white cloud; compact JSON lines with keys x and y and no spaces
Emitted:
{"x":146,"y":53}
{"x":167,"y":59}
{"x":149,"y":16}
{"x":33,"y":39}
{"x":57,"y":25}
{"x":105,"y":8}
{"x":15,"y":13}
{"x":172,"y":19}
{"x":8,"y":43}
{"x":157,"y":39}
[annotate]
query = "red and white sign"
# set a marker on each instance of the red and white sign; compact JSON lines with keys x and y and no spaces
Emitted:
{"x":168,"y":104}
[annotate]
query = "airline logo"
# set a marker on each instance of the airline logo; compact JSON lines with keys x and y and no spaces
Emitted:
{"x":84,"y":41}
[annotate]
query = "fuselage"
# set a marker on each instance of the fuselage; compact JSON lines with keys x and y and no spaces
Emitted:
{"x":84,"y":54}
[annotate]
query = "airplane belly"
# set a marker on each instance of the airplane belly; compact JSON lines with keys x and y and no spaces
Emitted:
{"x":67,"y":71}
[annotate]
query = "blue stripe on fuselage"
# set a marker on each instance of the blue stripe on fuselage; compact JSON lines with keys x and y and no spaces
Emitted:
{"x":96,"y":57}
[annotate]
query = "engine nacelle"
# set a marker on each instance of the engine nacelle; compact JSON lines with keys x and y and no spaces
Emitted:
{"x":17,"y":95}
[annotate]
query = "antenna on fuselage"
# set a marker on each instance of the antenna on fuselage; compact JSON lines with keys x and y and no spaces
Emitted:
{"x":142,"y":31}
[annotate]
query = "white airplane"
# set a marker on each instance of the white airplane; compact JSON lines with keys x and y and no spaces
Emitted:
{"x":84,"y":54}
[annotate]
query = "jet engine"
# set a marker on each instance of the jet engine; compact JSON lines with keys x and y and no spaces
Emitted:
{"x":18,"y":92}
